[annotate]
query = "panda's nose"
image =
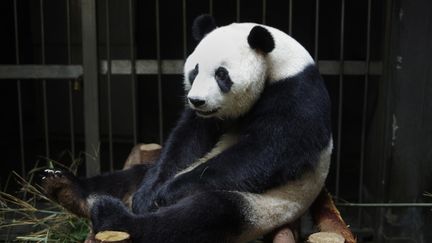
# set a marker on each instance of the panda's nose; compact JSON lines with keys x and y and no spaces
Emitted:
{"x":196,"y":102}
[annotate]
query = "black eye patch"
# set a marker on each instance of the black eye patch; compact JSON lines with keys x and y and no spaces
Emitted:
{"x":192,"y":74}
{"x":223,"y":79}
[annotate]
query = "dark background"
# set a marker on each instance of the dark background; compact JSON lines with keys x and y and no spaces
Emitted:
{"x":395,"y":125}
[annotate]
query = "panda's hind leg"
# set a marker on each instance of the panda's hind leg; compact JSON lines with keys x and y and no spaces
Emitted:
{"x":211,"y":217}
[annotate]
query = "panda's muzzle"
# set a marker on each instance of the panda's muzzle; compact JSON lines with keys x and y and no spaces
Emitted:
{"x":206,"y":113}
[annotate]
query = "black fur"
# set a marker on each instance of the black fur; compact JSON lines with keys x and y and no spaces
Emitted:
{"x":212,"y":217}
{"x":259,"y":38}
{"x":72,"y":192}
{"x":193,"y":73}
{"x":223,"y":79}
{"x":190,"y":140}
{"x":203,"y":25}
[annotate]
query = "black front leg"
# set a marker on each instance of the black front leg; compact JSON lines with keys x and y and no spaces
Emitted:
{"x":190,"y":140}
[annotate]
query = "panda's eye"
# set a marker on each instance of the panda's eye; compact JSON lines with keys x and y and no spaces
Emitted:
{"x":223,"y":79}
{"x":192,"y":74}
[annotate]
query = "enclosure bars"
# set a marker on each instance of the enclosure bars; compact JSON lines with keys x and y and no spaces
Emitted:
{"x":316,"y":42}
{"x":364,"y":111}
{"x":108,"y":80}
{"x":184,"y":27}
{"x":91,"y":97}
{"x":70,"y":87}
{"x":340,"y":102}
{"x":133,"y":72}
{"x":20,"y":113}
{"x":159,"y":73}
{"x":44,"y":88}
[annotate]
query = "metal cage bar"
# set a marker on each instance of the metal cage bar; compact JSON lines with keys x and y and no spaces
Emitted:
{"x":316,"y":42}
{"x":70,"y":83}
{"x":19,"y":95}
{"x":237,"y":10}
{"x":159,"y":73}
{"x":148,"y":67}
{"x":91,"y":87}
{"x":27,"y":71}
{"x":340,"y":100}
{"x":290,"y":14}
{"x":133,"y":67}
{"x":364,"y":110}
{"x":108,"y":79}
{"x":211,"y":7}
{"x":44,"y":84}
{"x":184,"y":29}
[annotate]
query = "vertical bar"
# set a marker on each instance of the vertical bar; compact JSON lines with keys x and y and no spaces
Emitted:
{"x":70,"y":88}
{"x":90,"y":74}
{"x":44,"y":88}
{"x":237,"y":11}
{"x":185,"y":29}
{"x":290,"y":17}
{"x":391,"y":44}
{"x":341,"y":76}
{"x":159,"y":74}
{"x":317,"y":5}
{"x":264,"y":11}
{"x":365,"y":104}
{"x":109,"y":104}
{"x":211,"y":7}
{"x":20,"y":114}
{"x":133,"y":67}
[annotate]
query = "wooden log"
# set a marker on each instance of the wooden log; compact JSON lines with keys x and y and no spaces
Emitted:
{"x":328,"y":219}
{"x":325,"y":237}
{"x":112,"y":237}
{"x":284,"y":235}
{"x":143,"y":154}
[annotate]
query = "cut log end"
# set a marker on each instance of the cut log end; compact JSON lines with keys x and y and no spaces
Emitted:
{"x":325,"y":237}
{"x":150,"y":147}
{"x":112,"y":236}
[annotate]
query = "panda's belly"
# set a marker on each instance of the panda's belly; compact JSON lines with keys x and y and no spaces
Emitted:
{"x":282,"y":205}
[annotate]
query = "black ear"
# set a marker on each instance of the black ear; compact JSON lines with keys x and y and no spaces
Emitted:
{"x":203,"y":25}
{"x":260,"y":39}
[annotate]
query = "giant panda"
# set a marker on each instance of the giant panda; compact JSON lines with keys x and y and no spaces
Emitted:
{"x":249,"y":154}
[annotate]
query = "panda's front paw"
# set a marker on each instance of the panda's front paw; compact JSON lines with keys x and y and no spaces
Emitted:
{"x":108,"y":213}
{"x":64,"y":188}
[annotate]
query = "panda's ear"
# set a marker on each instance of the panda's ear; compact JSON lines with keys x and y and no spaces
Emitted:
{"x":261,"y":39}
{"x":203,"y":25}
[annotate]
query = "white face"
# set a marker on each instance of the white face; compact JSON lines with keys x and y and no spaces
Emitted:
{"x":224,"y":76}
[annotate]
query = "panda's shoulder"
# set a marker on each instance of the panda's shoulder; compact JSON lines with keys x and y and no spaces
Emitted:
{"x":303,"y":92}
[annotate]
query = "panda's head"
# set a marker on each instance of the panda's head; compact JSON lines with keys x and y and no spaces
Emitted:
{"x":226,"y":73}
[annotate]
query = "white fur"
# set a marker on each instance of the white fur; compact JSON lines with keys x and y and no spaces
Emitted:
{"x":285,"y":204}
{"x":91,"y":199}
{"x":249,"y":69}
